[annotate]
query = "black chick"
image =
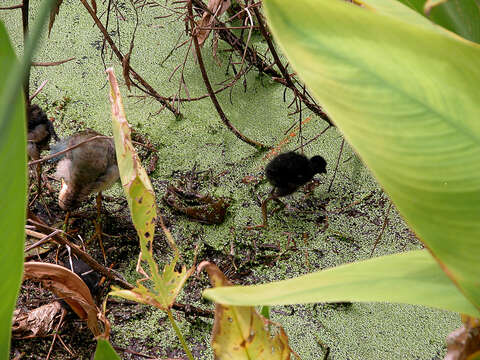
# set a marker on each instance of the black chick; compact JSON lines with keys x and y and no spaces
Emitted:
{"x":40,"y":131}
{"x":287,"y":172}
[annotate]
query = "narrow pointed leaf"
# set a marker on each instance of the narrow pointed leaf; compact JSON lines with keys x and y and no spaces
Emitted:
{"x":141,"y":201}
{"x":14,"y":191}
{"x":406,"y":97}
{"x":13,"y":161}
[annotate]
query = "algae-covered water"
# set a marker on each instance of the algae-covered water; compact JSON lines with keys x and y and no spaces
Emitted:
{"x":199,"y":143}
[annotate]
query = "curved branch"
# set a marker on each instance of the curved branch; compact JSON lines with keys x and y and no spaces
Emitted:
{"x":287,"y":80}
{"x":211,"y":93}
{"x":148,"y":89}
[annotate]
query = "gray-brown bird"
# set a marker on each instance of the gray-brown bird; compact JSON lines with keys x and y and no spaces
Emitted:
{"x":87,"y":169}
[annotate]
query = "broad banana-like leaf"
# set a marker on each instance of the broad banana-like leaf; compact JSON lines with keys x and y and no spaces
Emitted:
{"x":406,"y":98}
{"x":459,"y":16}
{"x":413,"y":278}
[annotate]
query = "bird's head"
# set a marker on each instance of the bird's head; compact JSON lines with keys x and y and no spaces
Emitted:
{"x":319,"y":165}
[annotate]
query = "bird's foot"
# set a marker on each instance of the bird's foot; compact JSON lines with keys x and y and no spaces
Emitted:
{"x":98,"y":235}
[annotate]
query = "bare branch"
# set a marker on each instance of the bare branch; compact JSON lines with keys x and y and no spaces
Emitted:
{"x":222,"y":115}
{"x":147,"y":88}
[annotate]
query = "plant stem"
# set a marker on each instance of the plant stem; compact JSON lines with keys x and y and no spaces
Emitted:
{"x":179,"y":334}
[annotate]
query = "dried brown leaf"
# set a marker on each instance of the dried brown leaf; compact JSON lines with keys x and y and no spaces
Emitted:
{"x":68,"y":286}
{"x":217,"y":7}
{"x":36,"y":322}
{"x":464,"y":343}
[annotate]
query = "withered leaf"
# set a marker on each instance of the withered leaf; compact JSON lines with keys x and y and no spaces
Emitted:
{"x":68,"y":286}
{"x":239,"y":332}
{"x":464,"y":343}
{"x":217,"y":7}
{"x":36,"y":322}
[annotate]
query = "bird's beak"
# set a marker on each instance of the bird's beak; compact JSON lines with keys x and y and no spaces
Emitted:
{"x":64,"y":185}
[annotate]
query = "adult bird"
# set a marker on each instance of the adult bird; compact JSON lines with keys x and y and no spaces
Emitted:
{"x":287,"y":172}
{"x":89,"y":168}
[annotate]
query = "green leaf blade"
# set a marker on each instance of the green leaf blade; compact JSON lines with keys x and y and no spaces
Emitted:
{"x":406,"y":97}
{"x":105,"y":351}
{"x":14,"y":188}
{"x":412,"y":278}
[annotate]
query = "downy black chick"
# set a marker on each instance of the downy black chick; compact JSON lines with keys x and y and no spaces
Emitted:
{"x":287,"y":172}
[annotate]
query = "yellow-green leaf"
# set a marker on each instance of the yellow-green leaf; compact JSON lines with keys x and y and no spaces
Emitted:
{"x":412,"y":278}
{"x":239,"y":332}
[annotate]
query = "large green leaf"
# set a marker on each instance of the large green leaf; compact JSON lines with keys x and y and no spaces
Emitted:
{"x":413,"y":278}
{"x":406,"y":97}
{"x":459,"y":16}
{"x":13,"y":185}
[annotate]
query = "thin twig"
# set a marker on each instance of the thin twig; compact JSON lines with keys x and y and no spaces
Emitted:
{"x":54,"y":63}
{"x":55,"y":333}
{"x":385,"y":221}
{"x":288,"y":80}
{"x":146,"y":87}
{"x":38,"y":90}
{"x":336,"y":165}
{"x":19,"y":6}
{"x":314,"y":138}
{"x":237,"y":44}
{"x":67,"y":150}
{"x":222,"y":115}
{"x":44,"y":239}
{"x":90,"y":261}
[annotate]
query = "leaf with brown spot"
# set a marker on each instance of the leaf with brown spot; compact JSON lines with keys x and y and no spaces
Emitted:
{"x":137,"y":185}
{"x":239,"y":332}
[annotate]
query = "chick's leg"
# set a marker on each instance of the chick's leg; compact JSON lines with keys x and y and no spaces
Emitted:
{"x":98,"y":225}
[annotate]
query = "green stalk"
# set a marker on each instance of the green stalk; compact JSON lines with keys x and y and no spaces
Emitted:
{"x":179,"y":334}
